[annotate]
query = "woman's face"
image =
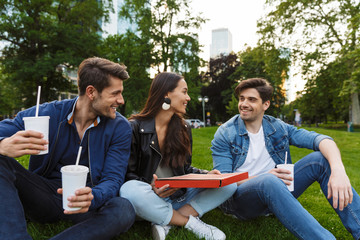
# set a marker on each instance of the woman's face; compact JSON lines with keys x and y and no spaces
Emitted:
{"x":179,"y":97}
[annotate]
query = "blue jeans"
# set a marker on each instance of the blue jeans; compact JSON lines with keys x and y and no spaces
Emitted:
{"x":23,"y":193}
{"x":149,"y":206}
{"x":268,"y":194}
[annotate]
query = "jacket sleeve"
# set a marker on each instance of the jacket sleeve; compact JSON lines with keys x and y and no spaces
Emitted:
{"x":115,"y":164}
{"x":135,"y":154}
{"x":303,"y":138}
{"x":221,"y":151}
{"x":9,"y":127}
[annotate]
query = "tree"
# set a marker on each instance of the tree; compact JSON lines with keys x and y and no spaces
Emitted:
{"x":318,"y":32}
{"x":134,"y":52}
{"x":271,"y":64}
{"x":7,"y":101}
{"x":321,"y":100}
{"x":170,"y":27}
{"x":43,"y":34}
{"x":218,"y":85}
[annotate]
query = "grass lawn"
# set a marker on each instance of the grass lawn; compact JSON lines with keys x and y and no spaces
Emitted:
{"x":262,"y":227}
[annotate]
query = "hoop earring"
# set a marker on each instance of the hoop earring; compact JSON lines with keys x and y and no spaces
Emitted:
{"x":166,"y":104}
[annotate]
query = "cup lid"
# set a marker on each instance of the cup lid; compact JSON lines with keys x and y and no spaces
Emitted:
{"x":74,"y":169}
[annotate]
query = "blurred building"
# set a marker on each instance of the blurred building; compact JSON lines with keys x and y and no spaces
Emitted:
{"x":116,"y":25}
{"x":221,"y":42}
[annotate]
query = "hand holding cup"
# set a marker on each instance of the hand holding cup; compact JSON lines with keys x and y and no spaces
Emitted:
{"x":82,"y":199}
{"x":73,"y":182}
{"x":289,"y":167}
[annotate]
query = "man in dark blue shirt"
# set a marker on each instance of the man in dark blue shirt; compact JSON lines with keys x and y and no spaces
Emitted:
{"x":90,"y":121}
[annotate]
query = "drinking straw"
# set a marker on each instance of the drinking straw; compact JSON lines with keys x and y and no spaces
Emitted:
{"x":78,"y":156}
{"x":286,"y":157}
{"x":38,"y":102}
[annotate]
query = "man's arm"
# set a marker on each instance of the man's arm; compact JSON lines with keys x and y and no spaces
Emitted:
{"x":114,"y":165}
{"x":339,"y":187}
{"x":15,"y":142}
{"x":221,"y":152}
{"x":23,"y":143}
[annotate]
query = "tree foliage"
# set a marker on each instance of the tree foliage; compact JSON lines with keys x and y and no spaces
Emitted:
{"x":7,"y":101}
{"x":318,"y":32}
{"x":134,"y":52}
{"x":169,"y":27}
{"x":321,"y":101}
{"x":271,"y":64}
{"x":218,"y":85}
{"x":41,"y":34}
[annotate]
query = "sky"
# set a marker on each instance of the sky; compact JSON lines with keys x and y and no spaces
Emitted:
{"x":239,"y":16}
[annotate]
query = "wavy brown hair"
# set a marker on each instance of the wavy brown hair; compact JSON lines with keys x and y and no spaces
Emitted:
{"x":263,"y":87}
{"x":177,"y":146}
{"x":96,"y":71}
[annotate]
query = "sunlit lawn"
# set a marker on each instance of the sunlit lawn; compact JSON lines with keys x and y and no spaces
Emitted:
{"x":262,"y":227}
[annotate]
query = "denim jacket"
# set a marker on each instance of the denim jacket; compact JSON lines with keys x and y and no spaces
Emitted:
{"x":231,"y":142}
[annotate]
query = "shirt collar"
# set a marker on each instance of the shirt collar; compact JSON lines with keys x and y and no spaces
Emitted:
{"x":70,"y":117}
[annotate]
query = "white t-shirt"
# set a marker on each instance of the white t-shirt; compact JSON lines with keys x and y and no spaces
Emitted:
{"x":258,"y":160}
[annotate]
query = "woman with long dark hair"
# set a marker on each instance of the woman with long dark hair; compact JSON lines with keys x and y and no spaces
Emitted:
{"x":161,"y":147}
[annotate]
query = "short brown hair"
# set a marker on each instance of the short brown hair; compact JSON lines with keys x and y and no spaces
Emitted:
{"x":95,"y":71}
{"x":263,"y":87}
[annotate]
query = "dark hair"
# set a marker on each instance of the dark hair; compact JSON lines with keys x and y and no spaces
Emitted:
{"x":95,"y":71}
{"x":263,"y":87}
{"x":177,"y":146}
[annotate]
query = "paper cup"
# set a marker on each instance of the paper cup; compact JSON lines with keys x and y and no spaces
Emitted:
{"x":289,"y":167}
{"x":39,"y":124}
{"x":73,"y":178}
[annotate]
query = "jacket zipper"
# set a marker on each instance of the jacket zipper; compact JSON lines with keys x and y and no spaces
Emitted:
{"x":158,"y":153}
{"x":92,"y":183}
{"x":52,"y":152}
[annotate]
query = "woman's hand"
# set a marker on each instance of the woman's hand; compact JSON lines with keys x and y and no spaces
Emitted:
{"x":164,"y":191}
{"x":215,"y":171}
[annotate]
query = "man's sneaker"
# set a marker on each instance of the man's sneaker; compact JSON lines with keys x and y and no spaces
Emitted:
{"x":159,"y":232}
{"x":203,"y":230}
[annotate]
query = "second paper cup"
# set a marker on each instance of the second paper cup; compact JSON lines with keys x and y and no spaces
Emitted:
{"x":289,"y":167}
{"x":73,"y":178}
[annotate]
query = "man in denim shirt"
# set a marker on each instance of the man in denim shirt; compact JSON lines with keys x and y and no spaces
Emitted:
{"x":255,"y":143}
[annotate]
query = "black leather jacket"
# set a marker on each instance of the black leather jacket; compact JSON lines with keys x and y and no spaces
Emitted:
{"x":145,"y":154}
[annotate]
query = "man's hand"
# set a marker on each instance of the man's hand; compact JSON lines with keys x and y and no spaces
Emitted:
{"x":82,"y":199}
{"x":164,"y":191}
{"x":23,"y":143}
{"x":339,"y":189}
{"x":283,"y":174}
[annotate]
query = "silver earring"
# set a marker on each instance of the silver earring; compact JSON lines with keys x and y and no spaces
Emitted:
{"x":166,"y":104}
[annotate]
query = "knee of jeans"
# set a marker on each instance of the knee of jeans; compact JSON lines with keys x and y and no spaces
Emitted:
{"x":135,"y":191}
{"x":318,"y":156}
{"x":6,"y":162}
{"x":122,"y":212}
{"x":229,"y":190}
{"x":7,"y":169}
{"x":270,"y":182}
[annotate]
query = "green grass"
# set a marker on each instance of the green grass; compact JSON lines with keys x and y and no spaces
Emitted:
{"x":262,"y":227}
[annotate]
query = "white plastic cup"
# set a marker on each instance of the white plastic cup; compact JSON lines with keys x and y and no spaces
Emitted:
{"x":39,"y":124}
{"x":289,"y":167}
{"x":73,"y":178}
